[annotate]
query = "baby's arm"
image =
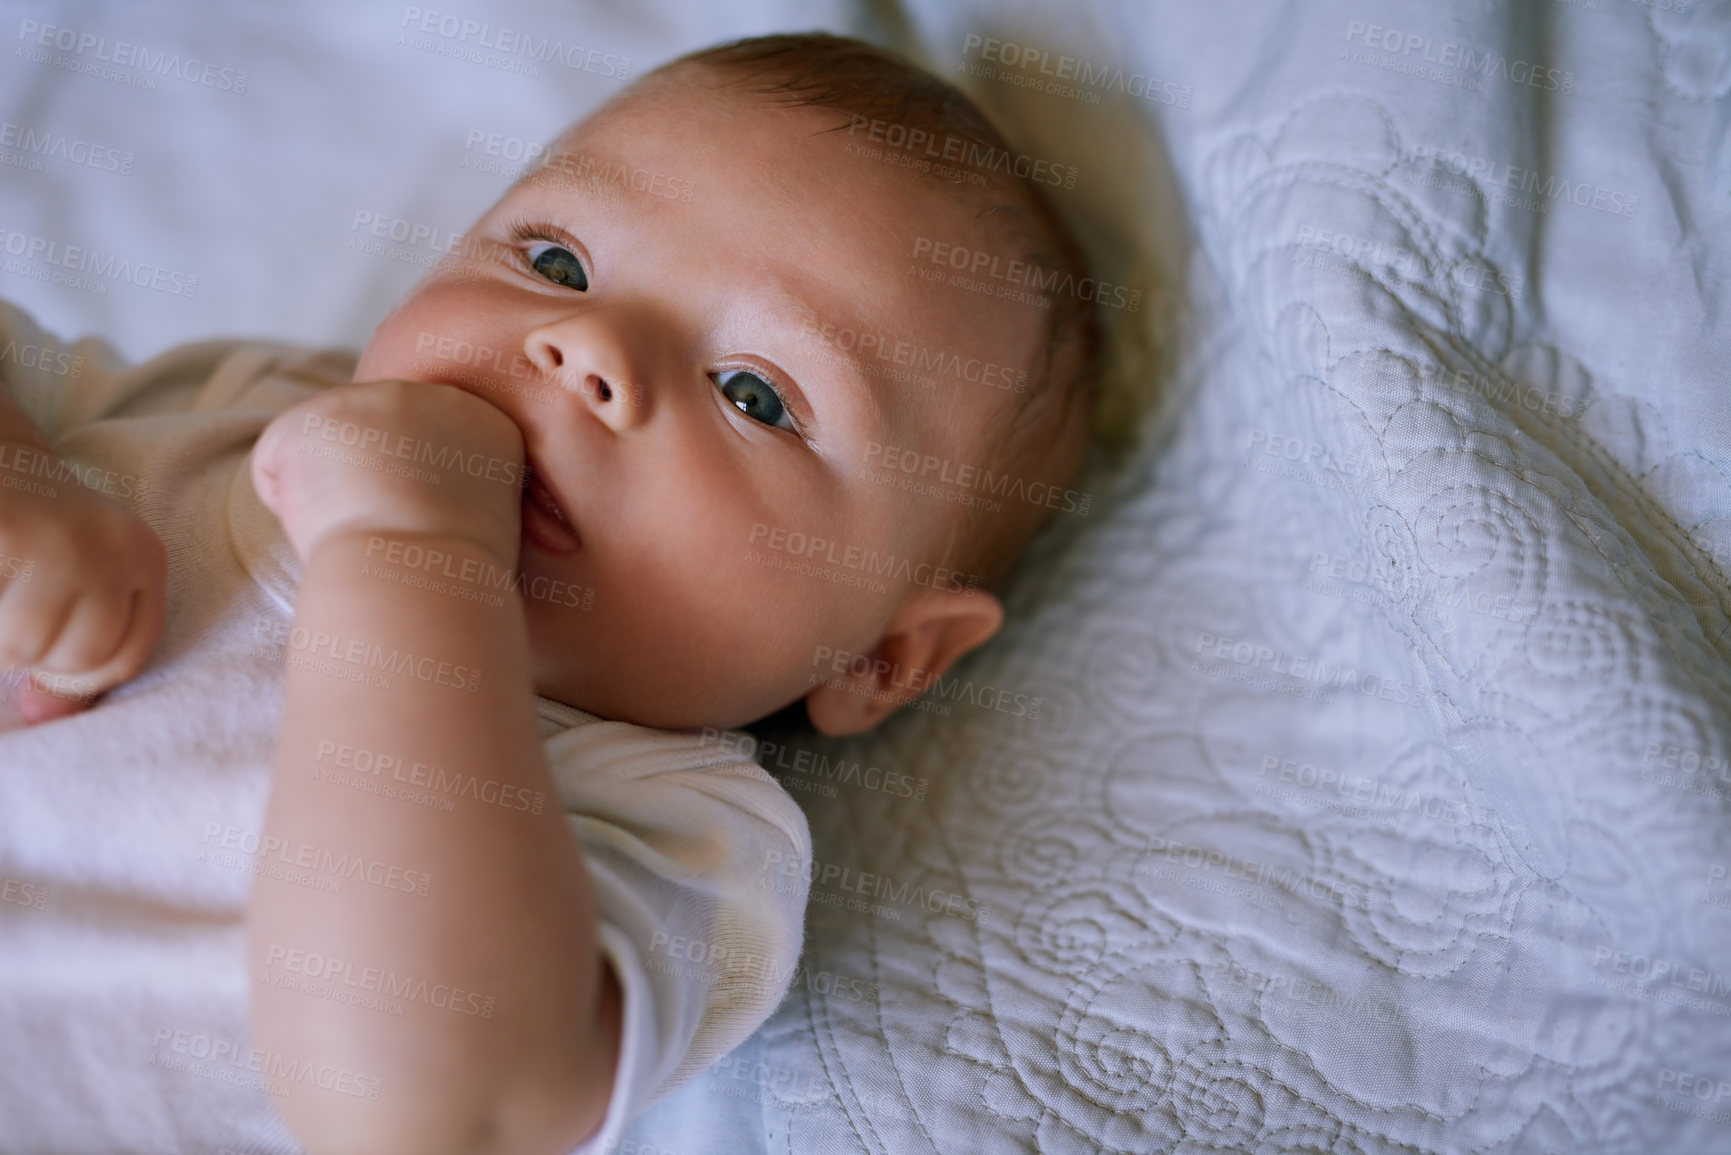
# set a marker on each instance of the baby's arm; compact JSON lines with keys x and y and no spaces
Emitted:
{"x":519,"y":1057}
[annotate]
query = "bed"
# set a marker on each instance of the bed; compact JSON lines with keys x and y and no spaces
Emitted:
{"x":1354,"y":775}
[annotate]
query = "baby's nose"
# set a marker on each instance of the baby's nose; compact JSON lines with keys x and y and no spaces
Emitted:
{"x":587,"y":354}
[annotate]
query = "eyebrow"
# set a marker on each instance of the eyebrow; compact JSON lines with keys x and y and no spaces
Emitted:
{"x":816,"y":352}
{"x":583,"y":172}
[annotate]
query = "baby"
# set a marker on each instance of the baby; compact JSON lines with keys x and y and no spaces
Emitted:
{"x":632,"y":453}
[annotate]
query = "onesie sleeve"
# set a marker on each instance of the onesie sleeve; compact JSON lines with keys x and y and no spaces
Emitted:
{"x":65,"y":386}
{"x":699,"y":865}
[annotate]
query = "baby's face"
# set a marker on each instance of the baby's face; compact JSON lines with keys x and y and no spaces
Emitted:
{"x":661,"y":309}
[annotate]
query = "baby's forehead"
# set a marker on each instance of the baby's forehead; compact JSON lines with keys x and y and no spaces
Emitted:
{"x":666,"y":143}
{"x":684,"y":103}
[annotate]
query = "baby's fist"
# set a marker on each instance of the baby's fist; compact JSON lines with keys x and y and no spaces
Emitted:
{"x":393,"y":457}
{"x":82,"y":589}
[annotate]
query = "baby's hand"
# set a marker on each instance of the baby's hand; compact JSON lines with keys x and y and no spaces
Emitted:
{"x":82,"y":583}
{"x":393,"y":456}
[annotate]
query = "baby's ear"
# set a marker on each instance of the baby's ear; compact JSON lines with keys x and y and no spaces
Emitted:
{"x":924,"y":637}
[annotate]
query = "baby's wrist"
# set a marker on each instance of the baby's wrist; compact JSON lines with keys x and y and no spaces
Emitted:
{"x":433,"y":552}
{"x":422,"y":517}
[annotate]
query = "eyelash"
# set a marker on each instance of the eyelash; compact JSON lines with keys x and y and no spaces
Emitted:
{"x":523,"y":231}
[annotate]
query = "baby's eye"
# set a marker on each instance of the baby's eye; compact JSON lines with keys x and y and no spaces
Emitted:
{"x":754,"y":397}
{"x":559,"y":265}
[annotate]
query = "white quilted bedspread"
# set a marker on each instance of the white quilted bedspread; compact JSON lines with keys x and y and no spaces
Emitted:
{"x":1378,"y":794}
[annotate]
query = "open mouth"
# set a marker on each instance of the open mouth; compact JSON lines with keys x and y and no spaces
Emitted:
{"x":544,"y":521}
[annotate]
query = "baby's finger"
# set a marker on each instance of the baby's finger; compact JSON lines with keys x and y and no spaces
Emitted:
{"x":91,"y":636}
{"x":263,"y":464}
{"x":39,"y":705}
{"x":31,"y":616}
{"x":140,"y":632}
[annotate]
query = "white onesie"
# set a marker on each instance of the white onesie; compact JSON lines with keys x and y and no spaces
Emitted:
{"x":130,"y":833}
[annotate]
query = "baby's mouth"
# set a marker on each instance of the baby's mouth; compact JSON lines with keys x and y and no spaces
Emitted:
{"x":544,"y":522}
